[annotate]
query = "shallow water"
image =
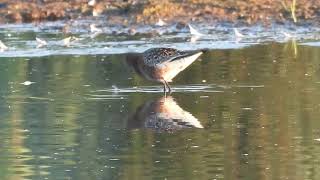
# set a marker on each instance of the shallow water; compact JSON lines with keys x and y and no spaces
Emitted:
{"x":249,"y":113}
{"x":115,"y":39}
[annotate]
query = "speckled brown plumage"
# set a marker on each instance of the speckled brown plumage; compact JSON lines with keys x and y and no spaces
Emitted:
{"x":162,"y":64}
{"x":156,"y":56}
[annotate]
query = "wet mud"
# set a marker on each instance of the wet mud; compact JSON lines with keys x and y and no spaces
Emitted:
{"x":126,"y":12}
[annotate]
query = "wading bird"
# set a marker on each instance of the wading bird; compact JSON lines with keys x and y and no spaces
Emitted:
{"x":94,"y":29}
{"x":194,"y":32}
{"x":41,"y":43}
{"x":3,"y":47}
{"x":237,"y":33}
{"x":162,"y":64}
{"x":161,"y":23}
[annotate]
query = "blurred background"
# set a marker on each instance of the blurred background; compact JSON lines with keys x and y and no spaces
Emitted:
{"x":149,"y":11}
{"x":71,"y":108}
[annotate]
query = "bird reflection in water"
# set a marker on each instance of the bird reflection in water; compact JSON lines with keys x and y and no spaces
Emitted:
{"x":162,"y":114}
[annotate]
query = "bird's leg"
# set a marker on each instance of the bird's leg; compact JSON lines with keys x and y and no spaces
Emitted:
{"x":164,"y":89}
{"x":168,"y":86}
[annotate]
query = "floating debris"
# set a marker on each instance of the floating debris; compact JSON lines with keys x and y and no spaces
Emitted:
{"x":204,"y":96}
{"x":193,"y":31}
{"x":27,"y":83}
{"x":41,"y":43}
{"x":161,"y":23}
{"x":246,"y":108}
{"x":3,"y":47}
{"x":114,"y":159}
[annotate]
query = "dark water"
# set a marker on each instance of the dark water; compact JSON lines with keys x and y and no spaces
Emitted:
{"x":250,"y":113}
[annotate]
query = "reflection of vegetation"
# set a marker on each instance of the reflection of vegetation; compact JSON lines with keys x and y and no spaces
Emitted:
{"x":16,"y":147}
{"x":251,"y":132}
{"x":293,"y":47}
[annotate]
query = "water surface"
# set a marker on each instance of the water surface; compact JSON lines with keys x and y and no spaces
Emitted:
{"x":249,"y":113}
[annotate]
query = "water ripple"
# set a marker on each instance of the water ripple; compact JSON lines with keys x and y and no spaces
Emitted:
{"x":159,"y":89}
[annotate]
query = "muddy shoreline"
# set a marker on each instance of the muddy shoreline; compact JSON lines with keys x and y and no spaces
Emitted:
{"x":149,"y":11}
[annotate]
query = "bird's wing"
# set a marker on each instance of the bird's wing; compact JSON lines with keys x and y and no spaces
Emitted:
{"x":157,"y":56}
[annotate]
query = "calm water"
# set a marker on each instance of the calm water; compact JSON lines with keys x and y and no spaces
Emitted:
{"x":250,"y":113}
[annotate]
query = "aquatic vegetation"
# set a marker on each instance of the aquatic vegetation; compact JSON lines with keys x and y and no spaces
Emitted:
{"x":292,"y":9}
{"x":3,"y":47}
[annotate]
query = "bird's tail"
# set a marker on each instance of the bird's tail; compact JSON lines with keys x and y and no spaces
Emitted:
{"x":181,"y":62}
{"x":187,"y":54}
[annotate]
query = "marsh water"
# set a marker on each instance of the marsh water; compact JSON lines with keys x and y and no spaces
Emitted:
{"x":250,"y":112}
